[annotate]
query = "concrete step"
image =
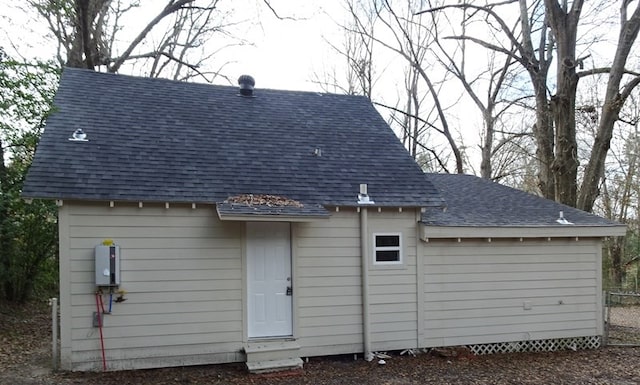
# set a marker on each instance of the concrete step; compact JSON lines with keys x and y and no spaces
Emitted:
{"x":271,"y":350}
{"x":274,"y":365}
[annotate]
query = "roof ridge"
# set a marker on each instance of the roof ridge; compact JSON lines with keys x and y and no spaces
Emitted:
{"x":229,"y":86}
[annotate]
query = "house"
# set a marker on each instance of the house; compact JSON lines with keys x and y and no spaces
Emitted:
{"x":207,"y":224}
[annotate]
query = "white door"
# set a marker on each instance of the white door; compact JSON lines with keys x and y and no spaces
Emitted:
{"x":268,"y":277}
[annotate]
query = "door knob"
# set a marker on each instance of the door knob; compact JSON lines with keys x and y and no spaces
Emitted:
{"x":289,"y":290}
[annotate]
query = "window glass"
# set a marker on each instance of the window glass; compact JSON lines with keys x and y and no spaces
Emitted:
{"x":387,"y":256}
{"x":387,"y":249}
{"x":387,"y":241}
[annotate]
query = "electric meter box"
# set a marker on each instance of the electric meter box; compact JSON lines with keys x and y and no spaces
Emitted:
{"x":107,"y":265}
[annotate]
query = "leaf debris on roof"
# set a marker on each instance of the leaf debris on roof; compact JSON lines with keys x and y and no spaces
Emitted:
{"x":263,"y":200}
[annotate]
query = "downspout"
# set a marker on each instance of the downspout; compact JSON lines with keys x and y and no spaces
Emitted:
{"x":364,"y":247}
{"x":363,"y":199}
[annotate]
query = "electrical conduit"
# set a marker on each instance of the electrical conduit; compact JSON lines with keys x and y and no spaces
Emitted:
{"x":99,"y":305}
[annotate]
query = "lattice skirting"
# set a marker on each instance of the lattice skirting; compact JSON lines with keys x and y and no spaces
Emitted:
{"x":577,"y":343}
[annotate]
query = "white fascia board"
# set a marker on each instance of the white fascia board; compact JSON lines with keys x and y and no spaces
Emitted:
{"x":271,"y":218}
{"x":435,"y":232}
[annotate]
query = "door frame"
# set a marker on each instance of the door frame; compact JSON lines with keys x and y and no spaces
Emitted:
{"x":245,"y":282}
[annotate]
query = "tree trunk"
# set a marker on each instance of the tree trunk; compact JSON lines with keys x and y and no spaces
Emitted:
{"x":617,"y":270}
{"x":564,"y":26}
{"x":486,"y":168}
{"x":537,"y":62}
{"x":4,"y":203}
{"x":84,"y":48}
{"x":565,"y":165}
{"x":5,"y":236}
{"x":82,"y":9}
{"x":613,"y":102}
{"x":544,"y":134}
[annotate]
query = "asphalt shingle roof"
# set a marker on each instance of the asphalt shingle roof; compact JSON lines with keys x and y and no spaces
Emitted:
{"x":169,"y":141}
{"x":474,"y":202}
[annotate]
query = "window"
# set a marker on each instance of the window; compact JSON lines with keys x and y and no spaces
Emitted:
{"x":387,"y":249}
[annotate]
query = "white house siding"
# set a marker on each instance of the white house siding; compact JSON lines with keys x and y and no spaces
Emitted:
{"x":182,"y":270}
{"x":393,"y":311}
{"x":328,"y":289}
{"x":476,"y":291}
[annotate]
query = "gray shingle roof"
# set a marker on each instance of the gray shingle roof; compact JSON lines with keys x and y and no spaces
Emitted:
{"x":475,"y":202}
{"x":169,"y":141}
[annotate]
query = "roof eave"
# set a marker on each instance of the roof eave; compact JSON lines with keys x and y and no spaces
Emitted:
{"x":439,"y":232}
{"x":271,"y":218}
{"x":241,"y":212}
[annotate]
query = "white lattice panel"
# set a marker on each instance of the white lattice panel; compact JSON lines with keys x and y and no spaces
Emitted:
{"x":578,"y":343}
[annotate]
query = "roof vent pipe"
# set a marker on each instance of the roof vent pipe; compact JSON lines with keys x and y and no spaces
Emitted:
{"x":246,"y":83}
{"x":78,"y":136}
{"x":562,"y":220}
{"x":363,"y":197}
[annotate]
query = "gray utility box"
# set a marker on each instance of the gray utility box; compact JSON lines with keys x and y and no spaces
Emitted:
{"x":107,"y":265}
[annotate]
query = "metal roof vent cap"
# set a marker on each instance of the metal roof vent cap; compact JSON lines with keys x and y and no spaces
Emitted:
{"x":562,"y":220}
{"x":363,"y":197}
{"x":78,"y":136}
{"x":246,"y":83}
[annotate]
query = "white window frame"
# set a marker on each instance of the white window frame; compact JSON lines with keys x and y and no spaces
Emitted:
{"x":398,"y":248}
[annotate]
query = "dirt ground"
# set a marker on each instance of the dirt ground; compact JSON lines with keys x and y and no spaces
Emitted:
{"x":25,"y":360}
{"x":624,"y":325}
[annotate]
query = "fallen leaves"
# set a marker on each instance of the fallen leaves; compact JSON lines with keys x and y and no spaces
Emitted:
{"x":624,"y":325}
{"x":25,"y":335}
{"x":264,"y":200}
{"x":23,"y":329}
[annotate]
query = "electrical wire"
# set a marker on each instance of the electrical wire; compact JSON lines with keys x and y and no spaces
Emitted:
{"x":100,"y":304}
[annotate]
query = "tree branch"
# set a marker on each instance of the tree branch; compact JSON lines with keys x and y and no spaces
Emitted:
{"x":413,"y":116}
{"x":492,"y":47}
{"x":169,"y":9}
{"x":275,"y":13}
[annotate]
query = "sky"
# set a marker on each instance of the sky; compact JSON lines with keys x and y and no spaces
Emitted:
{"x":288,"y":52}
{"x":283,"y":54}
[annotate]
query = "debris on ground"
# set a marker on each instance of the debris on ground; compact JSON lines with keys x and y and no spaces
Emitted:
{"x":25,"y":347}
{"x":457,"y":352}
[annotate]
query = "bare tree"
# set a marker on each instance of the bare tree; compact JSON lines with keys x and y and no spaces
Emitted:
{"x":416,"y":124}
{"x":413,"y":118}
{"x":620,"y":200}
{"x":620,"y":193}
{"x":419,"y":110}
{"x":486,"y":87}
{"x":563,"y":22}
{"x":357,"y":50}
{"x":535,"y":59}
{"x":555,"y":26}
{"x":412,"y":126}
{"x":403,"y":33}
{"x":87,"y":34}
{"x":615,"y":98}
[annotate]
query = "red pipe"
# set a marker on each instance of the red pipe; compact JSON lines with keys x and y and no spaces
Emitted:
{"x":98,"y":303}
